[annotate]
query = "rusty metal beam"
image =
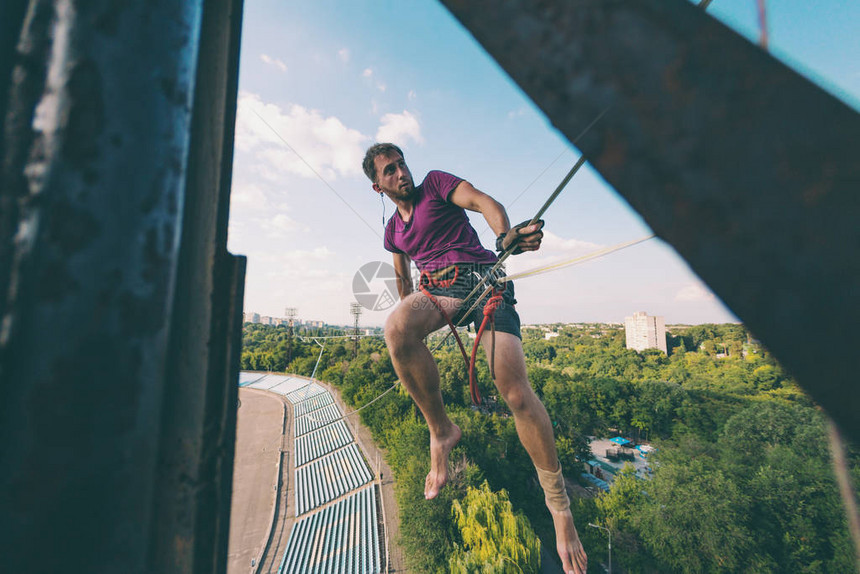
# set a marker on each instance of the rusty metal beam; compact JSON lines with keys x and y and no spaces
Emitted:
{"x":121,"y":307}
{"x":195,"y":475}
{"x":749,"y":170}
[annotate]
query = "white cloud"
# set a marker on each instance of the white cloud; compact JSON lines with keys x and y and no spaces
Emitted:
{"x":325,"y":143}
{"x":694,"y":292}
{"x":368,"y":74}
{"x":302,"y":278}
{"x":237,"y":234}
{"x":411,"y":95}
{"x":247,"y":196}
{"x":399,"y":128}
{"x":279,"y":64}
{"x":554,"y":243}
{"x":303,"y":272}
{"x":281,"y":226}
{"x":296,"y":262}
{"x":344,"y":55}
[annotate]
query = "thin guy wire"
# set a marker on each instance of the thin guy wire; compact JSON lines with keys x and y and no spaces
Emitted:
{"x":310,"y":167}
{"x":843,"y":480}
{"x":526,"y":188}
{"x":575,"y":140}
{"x":305,"y":338}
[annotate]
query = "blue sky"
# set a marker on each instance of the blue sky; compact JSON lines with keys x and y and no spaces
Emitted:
{"x":321,"y":81}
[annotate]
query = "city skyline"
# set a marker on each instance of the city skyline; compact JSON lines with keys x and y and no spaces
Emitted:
{"x":251,"y":316}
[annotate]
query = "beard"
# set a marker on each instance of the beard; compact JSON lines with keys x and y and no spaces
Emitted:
{"x":405,"y":191}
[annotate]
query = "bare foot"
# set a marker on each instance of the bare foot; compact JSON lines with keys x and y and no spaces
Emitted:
{"x":440,"y":448}
{"x":573,"y":558}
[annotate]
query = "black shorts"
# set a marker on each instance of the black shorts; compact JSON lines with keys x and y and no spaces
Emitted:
{"x":468,"y":276}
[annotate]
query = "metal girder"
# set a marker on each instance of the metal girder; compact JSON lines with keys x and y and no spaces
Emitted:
{"x":121,"y":307}
{"x":749,"y":170}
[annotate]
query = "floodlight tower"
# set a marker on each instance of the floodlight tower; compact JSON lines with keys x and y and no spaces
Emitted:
{"x":290,"y":313}
{"x":355,"y":309}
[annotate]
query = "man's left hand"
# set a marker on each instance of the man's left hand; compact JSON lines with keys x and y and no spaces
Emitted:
{"x":524,"y":237}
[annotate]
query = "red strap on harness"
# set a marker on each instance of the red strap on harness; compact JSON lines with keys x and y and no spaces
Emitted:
{"x":490,"y":307}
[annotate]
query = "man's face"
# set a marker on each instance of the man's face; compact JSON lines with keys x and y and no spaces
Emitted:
{"x":393,"y":178}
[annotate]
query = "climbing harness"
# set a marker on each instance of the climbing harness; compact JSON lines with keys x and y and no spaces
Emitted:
{"x":429,"y":281}
{"x":502,"y":280}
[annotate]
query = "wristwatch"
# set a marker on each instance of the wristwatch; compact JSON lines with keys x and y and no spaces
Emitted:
{"x":500,"y":240}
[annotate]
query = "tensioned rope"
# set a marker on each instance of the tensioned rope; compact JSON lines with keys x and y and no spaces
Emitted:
{"x":508,"y":204}
{"x":512,"y":247}
{"x":313,"y":379}
{"x":576,"y":260}
{"x":322,"y":348}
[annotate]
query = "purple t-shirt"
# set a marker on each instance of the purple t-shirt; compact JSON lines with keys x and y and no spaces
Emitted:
{"x":439,"y":233}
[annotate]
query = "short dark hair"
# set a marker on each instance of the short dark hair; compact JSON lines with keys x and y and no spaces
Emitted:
{"x":377,"y":149}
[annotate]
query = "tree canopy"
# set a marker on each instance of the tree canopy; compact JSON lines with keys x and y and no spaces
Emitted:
{"x":742,"y":479}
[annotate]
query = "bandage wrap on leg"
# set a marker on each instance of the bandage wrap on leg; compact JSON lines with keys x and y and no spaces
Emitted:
{"x":552,"y":483}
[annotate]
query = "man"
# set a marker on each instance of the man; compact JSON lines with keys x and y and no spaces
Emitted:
{"x":430,"y":227}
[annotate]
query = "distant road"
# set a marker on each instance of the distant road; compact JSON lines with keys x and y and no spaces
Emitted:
{"x":258,"y":440}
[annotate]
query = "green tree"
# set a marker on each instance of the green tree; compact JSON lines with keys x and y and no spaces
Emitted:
{"x":741,"y":455}
{"x":694,"y":519}
{"x":619,"y":504}
{"x":425,"y":525}
{"x":619,"y":508}
{"x":775,"y":452}
{"x":494,"y":538}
